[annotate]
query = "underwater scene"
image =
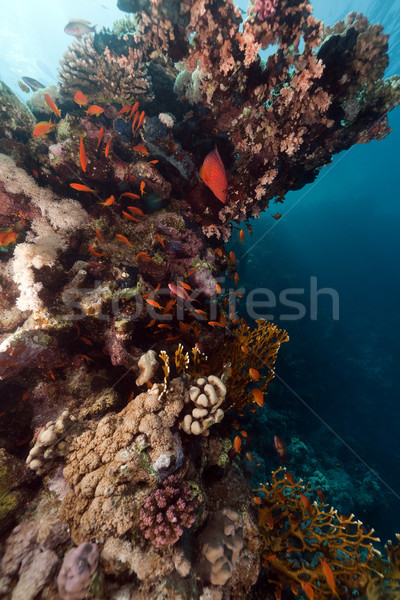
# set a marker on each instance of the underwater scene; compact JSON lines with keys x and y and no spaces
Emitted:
{"x":199,"y":324}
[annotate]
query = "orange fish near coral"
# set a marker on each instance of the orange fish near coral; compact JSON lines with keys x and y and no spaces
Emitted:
{"x":153,"y":303}
{"x":254,"y":374}
{"x":52,"y":106}
{"x":141,"y":149}
{"x":82,"y":188}
{"x":80,"y":98}
{"x":43,"y":128}
{"x":134,"y":108}
{"x":124,"y":239}
{"x":306,"y":503}
{"x":108,"y":146}
{"x":124,"y":109}
{"x":94,"y":110}
{"x":329,"y":577}
{"x":213,"y":173}
{"x":237,"y":444}
{"x":306,"y":587}
{"x":101,"y":133}
{"x":8,"y":237}
{"x":258,"y":397}
{"x":109,"y":201}
{"x":82,"y":154}
{"x":130,"y":195}
{"x":277,"y":216}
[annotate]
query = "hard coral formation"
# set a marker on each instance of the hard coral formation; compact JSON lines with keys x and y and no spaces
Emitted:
{"x":75,"y":575}
{"x":166,"y":511}
{"x":104,"y":76}
{"x":220,"y":545}
{"x":94,"y":289}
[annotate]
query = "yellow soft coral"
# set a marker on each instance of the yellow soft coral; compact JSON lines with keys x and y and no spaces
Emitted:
{"x":297,"y":535}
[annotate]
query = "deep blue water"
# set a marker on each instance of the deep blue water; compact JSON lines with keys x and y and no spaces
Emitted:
{"x":344,"y":230}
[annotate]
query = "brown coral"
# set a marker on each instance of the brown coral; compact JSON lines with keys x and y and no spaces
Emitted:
{"x":106,"y":464}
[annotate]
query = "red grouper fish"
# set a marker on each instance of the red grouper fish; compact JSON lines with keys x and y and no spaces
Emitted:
{"x":212,"y":172}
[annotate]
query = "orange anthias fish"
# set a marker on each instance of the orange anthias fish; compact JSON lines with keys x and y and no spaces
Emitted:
{"x":109,"y":201}
{"x":80,"y":98}
{"x":82,"y":188}
{"x":142,"y":186}
{"x":277,"y":216}
{"x":124,"y":239}
{"x":43,"y":128}
{"x":108,"y":146}
{"x":101,"y":133}
{"x":82,"y":154}
{"x":237,"y":444}
{"x":141,"y":149}
{"x":124,"y":109}
{"x":51,"y":104}
{"x":254,"y":374}
{"x":140,"y":120}
{"x":134,"y":108}
{"x":329,"y":577}
{"x":8,"y":237}
{"x":306,"y":503}
{"x":136,"y":211}
{"x":212,"y":172}
{"x":258,"y":397}
{"x":94,"y":110}
{"x":154,"y":303}
{"x":306,"y":587}
{"x":241,"y":235}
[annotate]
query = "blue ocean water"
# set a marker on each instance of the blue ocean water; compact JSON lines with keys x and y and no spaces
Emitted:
{"x":335,"y":401}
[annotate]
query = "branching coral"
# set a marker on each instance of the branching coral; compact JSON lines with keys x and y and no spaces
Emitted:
{"x":244,"y":359}
{"x":104,"y":76}
{"x":299,"y":535}
{"x":166,"y":511}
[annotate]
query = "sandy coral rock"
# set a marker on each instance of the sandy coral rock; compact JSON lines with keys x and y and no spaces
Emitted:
{"x":76,"y":572}
{"x":30,"y":556}
{"x":221,"y":543}
{"x":119,"y":556}
{"x":106,"y":464}
{"x":207,"y":396}
{"x":148,"y":366}
{"x":40,"y":457}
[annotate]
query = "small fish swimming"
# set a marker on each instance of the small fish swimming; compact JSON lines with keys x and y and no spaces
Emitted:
{"x":34,"y":84}
{"x":254,"y":374}
{"x":79,"y":27}
{"x":52,"y":105}
{"x":237,"y":444}
{"x":329,"y":577}
{"x":258,"y":396}
{"x":141,"y":149}
{"x":124,"y":109}
{"x":80,"y":98}
{"x":124,"y":239}
{"x":280,"y":448}
{"x":134,"y":108}
{"x":213,"y":173}
{"x":82,"y":154}
{"x":25,"y":88}
{"x":8,"y":237}
{"x":154,"y":303}
{"x":130,"y":195}
{"x":43,"y":128}
{"x":82,"y":188}
{"x":136,"y":211}
{"x":101,"y":133}
{"x":109,"y":201}
{"x":108,"y":146}
{"x":94,"y":110}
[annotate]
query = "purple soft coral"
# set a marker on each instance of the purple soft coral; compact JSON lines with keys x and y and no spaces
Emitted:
{"x":166,"y":511}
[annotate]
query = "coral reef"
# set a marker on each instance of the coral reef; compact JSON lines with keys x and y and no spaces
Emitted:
{"x":221,"y":543}
{"x":123,"y":364}
{"x":166,"y":511}
{"x":76,"y":572}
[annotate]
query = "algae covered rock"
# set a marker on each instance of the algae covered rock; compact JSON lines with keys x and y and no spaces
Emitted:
{"x":12,"y":498}
{"x":16,"y":124}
